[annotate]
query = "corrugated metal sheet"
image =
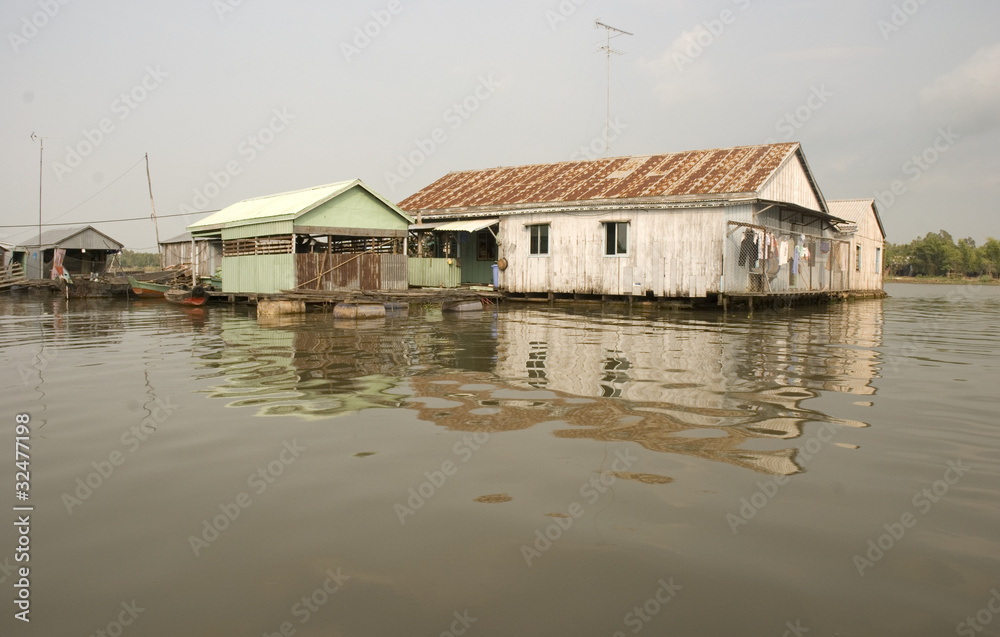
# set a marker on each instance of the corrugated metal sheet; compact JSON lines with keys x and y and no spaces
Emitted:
{"x":857,"y":211}
{"x":260,"y":274}
{"x":371,"y":271}
{"x":271,"y":207}
{"x":282,"y":207}
{"x":74,"y":238}
{"x":263,"y":229}
{"x":467,"y":225}
{"x":394,"y":276}
{"x":434,"y":273}
{"x":704,"y":172}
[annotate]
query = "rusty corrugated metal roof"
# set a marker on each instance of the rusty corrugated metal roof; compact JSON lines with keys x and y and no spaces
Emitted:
{"x":743,"y":169}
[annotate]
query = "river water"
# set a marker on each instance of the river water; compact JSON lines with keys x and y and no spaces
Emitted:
{"x":530,"y":470}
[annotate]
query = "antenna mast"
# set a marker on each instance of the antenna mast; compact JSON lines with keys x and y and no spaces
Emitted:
{"x":608,"y":50}
{"x":149,"y":180}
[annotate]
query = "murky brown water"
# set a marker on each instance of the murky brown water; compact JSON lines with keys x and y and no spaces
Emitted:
{"x":531,"y":471}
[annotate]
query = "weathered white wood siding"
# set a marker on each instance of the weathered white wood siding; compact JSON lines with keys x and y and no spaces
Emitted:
{"x":791,"y":184}
{"x":671,"y":253}
{"x":869,"y":237}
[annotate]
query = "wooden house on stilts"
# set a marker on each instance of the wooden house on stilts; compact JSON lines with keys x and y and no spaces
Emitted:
{"x":713,"y":224}
{"x":341,"y":236}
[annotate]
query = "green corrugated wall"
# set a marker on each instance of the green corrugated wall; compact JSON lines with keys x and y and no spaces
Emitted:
{"x":261,"y":274}
{"x":355,"y":208}
{"x":264,"y":229}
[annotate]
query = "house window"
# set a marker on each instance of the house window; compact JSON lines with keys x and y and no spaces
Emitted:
{"x":539,"y":239}
{"x":857,"y":260}
{"x":616,"y":238}
{"x":486,"y":246}
{"x":878,"y":259}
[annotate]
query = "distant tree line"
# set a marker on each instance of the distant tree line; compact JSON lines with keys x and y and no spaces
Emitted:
{"x":937,"y":254}
{"x":136,"y":260}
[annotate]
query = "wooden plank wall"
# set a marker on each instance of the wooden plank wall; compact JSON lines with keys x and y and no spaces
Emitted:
{"x":869,"y":237}
{"x":366,"y":271}
{"x":672,"y":253}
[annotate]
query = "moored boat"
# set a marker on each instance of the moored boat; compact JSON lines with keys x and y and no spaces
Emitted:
{"x":195,"y":296}
{"x":148,"y":289}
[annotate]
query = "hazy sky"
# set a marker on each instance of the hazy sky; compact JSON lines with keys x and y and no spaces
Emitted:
{"x":234,"y":99}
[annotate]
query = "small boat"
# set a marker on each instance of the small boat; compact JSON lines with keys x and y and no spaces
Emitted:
{"x":194,"y":296}
{"x":148,"y":289}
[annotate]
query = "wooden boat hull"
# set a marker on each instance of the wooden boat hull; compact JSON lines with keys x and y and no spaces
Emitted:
{"x":195,"y":297}
{"x":85,"y":288}
{"x":147,"y":289}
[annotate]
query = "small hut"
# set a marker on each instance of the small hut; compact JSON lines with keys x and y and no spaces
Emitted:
{"x":341,"y":236}
{"x":80,"y":250}
{"x":867,"y":236}
{"x":202,"y":256}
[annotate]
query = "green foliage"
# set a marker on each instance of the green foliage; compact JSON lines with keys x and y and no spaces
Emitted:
{"x":937,"y":254}
{"x":136,"y":260}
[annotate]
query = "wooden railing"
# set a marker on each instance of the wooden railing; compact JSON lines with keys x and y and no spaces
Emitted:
{"x":12,"y":275}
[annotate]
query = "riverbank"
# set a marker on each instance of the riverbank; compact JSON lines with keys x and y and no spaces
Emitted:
{"x":940,"y":280}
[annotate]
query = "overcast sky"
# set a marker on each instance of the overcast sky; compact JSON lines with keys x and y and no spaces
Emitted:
{"x":234,"y":99}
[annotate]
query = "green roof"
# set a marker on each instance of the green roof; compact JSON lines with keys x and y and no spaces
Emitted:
{"x":285,"y":206}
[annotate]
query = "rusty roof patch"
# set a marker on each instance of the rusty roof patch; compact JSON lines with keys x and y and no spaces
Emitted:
{"x":717,"y":171}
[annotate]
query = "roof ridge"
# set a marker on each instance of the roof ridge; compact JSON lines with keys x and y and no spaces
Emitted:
{"x":618,"y":157}
{"x":300,"y":190}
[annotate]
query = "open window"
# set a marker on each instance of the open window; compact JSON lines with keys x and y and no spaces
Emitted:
{"x":616,"y":238}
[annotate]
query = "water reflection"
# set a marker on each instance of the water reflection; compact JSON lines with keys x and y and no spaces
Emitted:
{"x":695,"y":384}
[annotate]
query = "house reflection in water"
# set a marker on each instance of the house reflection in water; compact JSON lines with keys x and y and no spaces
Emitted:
{"x":692,"y":384}
{"x":288,"y":367}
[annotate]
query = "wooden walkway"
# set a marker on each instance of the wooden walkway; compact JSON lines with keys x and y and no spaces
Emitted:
{"x":312,"y":297}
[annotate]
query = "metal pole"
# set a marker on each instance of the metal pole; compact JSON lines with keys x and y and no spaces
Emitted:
{"x":41,"y":164}
{"x":159,"y":250}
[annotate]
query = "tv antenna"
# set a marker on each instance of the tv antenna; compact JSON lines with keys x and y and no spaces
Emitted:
{"x":609,"y":50}
{"x":41,"y":170}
